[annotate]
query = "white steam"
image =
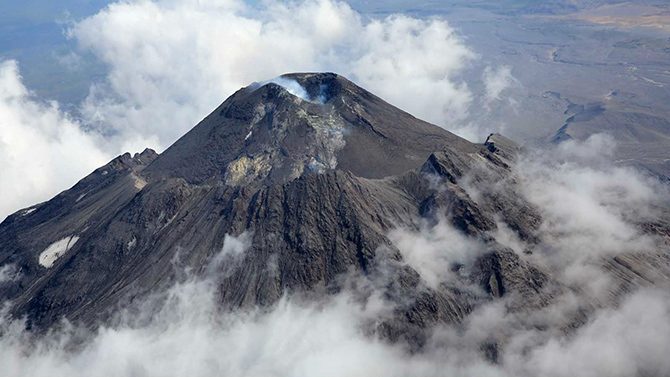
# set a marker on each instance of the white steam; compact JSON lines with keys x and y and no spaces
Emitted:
{"x":291,"y":86}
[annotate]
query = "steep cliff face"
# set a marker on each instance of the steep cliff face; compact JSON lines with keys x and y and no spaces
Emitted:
{"x":315,"y":182}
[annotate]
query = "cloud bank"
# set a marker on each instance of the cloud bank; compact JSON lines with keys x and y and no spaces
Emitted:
{"x":591,"y":211}
{"x":183,"y":331}
{"x":42,"y":150}
{"x":171,"y":62}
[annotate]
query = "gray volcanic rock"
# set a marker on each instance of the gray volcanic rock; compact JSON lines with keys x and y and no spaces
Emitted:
{"x":274,"y":136}
{"x":317,"y":183}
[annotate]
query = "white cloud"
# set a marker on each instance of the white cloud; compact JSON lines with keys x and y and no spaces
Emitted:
{"x":631,"y":340}
{"x":8,"y":273}
{"x":187,"y":334}
{"x":434,"y":250}
{"x":42,"y":150}
{"x":496,"y":81}
{"x":231,"y":255}
{"x":587,"y":202}
{"x":172,"y":62}
{"x":591,"y":209}
{"x":235,"y":246}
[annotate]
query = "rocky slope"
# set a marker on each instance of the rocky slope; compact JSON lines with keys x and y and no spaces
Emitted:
{"x":317,"y":183}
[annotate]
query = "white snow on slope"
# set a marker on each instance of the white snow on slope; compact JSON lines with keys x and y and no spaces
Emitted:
{"x":28,"y":211}
{"x":56,"y":250}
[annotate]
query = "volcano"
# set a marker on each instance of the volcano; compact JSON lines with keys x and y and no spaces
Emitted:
{"x":315,"y":179}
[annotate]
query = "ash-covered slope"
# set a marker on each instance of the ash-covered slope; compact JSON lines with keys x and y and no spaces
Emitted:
{"x":265,"y":133}
{"x":316,"y":181}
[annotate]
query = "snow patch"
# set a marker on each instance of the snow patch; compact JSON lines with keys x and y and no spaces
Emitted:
{"x":81,"y":197}
{"x":56,"y":250}
{"x":248,"y":135}
{"x":28,"y":211}
{"x":132,"y":243}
